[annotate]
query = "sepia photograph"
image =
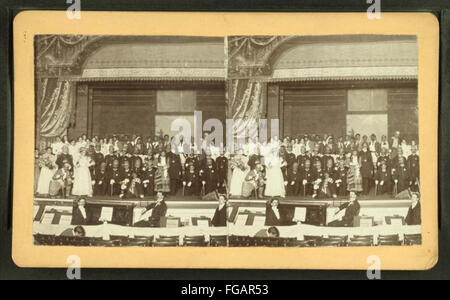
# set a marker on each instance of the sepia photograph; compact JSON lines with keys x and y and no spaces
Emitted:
{"x":226,"y":141}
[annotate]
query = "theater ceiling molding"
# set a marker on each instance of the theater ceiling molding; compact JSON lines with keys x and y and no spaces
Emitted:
{"x":315,"y":58}
{"x":116,"y":58}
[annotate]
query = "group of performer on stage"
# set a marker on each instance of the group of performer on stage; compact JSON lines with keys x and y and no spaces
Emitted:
{"x":128,"y":169}
{"x":309,"y":165}
{"x":321,"y":167}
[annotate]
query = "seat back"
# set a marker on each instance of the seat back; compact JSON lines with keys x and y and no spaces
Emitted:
{"x":218,"y":240}
{"x":360,"y":243}
{"x":142,"y":237}
{"x":330,"y":243}
{"x":313,"y":240}
{"x":109,"y":243}
{"x":338,"y":237}
{"x":302,"y":244}
{"x":288,"y":242}
{"x":392,"y":237}
{"x":44,"y":239}
{"x":362,"y":237}
{"x":165,"y":243}
{"x":195,"y":243}
{"x":240,"y":241}
{"x":368,"y":239}
{"x":389,"y":243}
{"x":132,"y":242}
{"x":194,"y":238}
{"x":388,"y":239}
{"x":412,"y":239}
{"x":118,"y":237}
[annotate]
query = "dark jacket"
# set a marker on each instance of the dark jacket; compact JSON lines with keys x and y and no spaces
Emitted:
{"x":366,"y":164}
{"x":62,"y":157}
{"x":351,"y":212}
{"x":220,"y":217}
{"x":158,"y":212}
{"x":272,"y":220}
{"x":77,"y":217}
{"x":414,"y":216}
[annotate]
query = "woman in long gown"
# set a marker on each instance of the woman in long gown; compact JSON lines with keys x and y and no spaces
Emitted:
{"x":250,"y":183}
{"x":239,"y":168}
{"x":274,"y":176}
{"x":82,"y":184}
{"x":47,"y":162}
{"x":354,"y":177}
{"x":162,"y":179}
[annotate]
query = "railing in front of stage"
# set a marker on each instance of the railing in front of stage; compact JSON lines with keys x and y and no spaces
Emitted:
{"x":296,"y":235}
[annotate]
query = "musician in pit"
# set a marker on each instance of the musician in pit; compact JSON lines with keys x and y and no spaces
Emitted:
{"x":220,"y":215}
{"x":352,"y":209}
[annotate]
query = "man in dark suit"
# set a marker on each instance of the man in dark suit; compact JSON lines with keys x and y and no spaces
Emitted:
{"x":302,"y":157}
{"x":113,"y":177}
{"x":326,"y":157}
{"x":340,"y":179}
{"x":383,"y":180}
{"x":191,"y":180}
{"x":294,"y":180}
{"x":414,"y":215}
{"x":276,"y":214}
{"x":101,"y":180}
{"x":64,"y":156}
{"x":175,"y":171}
{"x":307,"y":175}
{"x":414,"y":171}
{"x":289,"y":156}
{"x":366,"y":168}
{"x":126,"y":175}
{"x":148,"y":179}
{"x":222,"y":172}
{"x":110,"y":157}
{"x":98,"y":155}
{"x":383,"y":158}
{"x":159,"y":209}
{"x":220,"y":215}
{"x":352,"y":209}
{"x":209,"y":176}
{"x":401,"y":176}
{"x":192,"y":159}
{"x":79,"y":213}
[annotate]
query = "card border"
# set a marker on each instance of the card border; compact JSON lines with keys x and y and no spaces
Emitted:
{"x":29,"y":23}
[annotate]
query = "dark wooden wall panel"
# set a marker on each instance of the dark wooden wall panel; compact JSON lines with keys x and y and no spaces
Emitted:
{"x":123,"y":111}
{"x":403,"y":113}
{"x":212,"y":104}
{"x":318,"y":111}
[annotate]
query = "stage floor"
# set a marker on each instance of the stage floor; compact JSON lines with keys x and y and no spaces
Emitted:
{"x":196,"y":202}
{"x":196,"y":198}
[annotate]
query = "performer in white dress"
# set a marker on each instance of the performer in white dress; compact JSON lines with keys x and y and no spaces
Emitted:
{"x":82,"y":184}
{"x":405,"y":148}
{"x":57,"y":145}
{"x":239,"y":165}
{"x":47,"y":162}
{"x":275,"y":180}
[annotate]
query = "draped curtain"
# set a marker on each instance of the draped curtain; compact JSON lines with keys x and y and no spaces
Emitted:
{"x":246,"y":104}
{"x":55,"y":109}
